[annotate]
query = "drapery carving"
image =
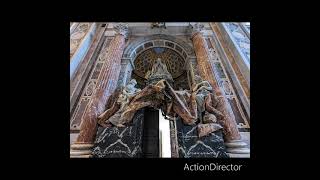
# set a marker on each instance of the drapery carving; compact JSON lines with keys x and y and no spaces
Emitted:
{"x":195,"y":106}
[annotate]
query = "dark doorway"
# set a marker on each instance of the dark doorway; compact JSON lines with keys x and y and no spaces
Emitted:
{"x":150,"y":139}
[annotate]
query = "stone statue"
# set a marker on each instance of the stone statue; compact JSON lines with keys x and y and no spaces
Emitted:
{"x":122,"y":102}
{"x":132,"y":99}
{"x":189,"y":105}
{"x":130,"y":90}
{"x":199,"y":103}
{"x":201,"y":89}
{"x":158,"y":67}
{"x":127,"y":93}
{"x":129,"y":101}
{"x":158,"y":72}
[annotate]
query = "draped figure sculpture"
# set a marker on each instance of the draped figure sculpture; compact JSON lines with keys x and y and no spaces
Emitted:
{"x":128,"y":102}
{"x":195,"y":107}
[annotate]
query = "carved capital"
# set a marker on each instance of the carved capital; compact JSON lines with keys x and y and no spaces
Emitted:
{"x":196,"y":28}
{"x":122,"y":28}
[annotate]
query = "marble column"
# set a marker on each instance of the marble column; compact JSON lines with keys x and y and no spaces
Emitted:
{"x":231,"y":133}
{"x":106,"y":84}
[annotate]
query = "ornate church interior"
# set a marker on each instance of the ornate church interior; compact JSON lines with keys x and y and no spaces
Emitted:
{"x":160,"y":90}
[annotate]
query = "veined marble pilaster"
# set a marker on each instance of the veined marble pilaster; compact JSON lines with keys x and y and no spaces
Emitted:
{"x":79,"y":84}
{"x":240,"y":39}
{"x":77,"y":35}
{"x":246,"y":28}
{"x":80,"y":41}
{"x":73,"y":27}
{"x":225,"y":84}
{"x":239,"y":45}
{"x":106,"y":84}
{"x":89,"y":84}
{"x":231,"y":62}
{"x":206,"y":71}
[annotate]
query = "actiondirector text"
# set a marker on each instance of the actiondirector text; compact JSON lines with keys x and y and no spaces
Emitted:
{"x":212,"y":167}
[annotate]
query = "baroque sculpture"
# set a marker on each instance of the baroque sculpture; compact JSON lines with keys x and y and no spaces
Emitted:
{"x":196,"y":106}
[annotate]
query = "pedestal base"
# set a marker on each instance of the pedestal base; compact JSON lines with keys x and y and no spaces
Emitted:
{"x":81,"y":150}
{"x":237,"y":147}
{"x":238,"y":150}
{"x":239,"y":155}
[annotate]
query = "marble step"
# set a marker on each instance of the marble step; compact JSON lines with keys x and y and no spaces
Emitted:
{"x":239,"y":155}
